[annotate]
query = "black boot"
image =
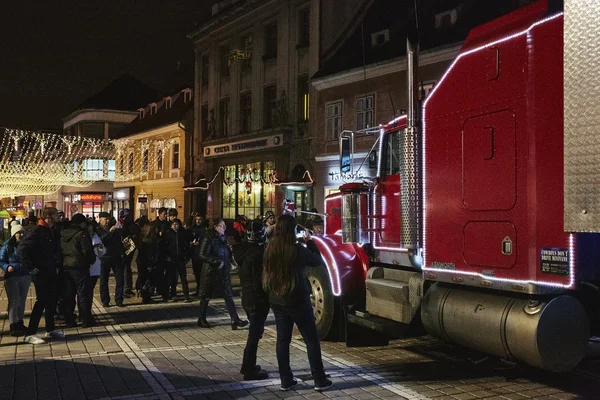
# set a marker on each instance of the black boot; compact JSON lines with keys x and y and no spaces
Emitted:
{"x":203,"y":323}
{"x":238,"y":323}
{"x":202,"y":319}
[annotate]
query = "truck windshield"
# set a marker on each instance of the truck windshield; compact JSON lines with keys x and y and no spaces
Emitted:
{"x":391,"y":154}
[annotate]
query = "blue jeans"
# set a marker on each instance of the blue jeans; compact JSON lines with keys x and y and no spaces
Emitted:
{"x":257,"y":316}
{"x":302,"y":315}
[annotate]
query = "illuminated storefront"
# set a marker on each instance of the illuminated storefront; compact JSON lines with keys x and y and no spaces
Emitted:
{"x":248,"y":189}
{"x":88,"y":204}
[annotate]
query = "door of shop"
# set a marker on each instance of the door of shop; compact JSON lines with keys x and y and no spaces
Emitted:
{"x":300,"y":199}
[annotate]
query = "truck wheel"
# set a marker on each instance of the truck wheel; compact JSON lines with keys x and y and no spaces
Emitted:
{"x":326,"y":306}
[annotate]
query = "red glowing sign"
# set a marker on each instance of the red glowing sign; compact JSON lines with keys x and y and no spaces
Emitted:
{"x":91,"y":197}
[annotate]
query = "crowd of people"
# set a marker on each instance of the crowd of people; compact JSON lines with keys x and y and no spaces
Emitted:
{"x":65,"y":259}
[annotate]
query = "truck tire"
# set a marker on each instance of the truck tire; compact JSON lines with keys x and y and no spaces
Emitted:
{"x":326,"y":307}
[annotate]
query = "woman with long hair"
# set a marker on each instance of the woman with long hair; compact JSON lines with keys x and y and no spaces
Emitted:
{"x":216,"y":257}
{"x":284,"y":278}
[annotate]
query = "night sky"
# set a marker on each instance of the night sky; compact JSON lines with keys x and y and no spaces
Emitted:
{"x":55,"y":54}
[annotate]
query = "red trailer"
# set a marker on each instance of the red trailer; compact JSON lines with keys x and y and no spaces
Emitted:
{"x":463,"y":231}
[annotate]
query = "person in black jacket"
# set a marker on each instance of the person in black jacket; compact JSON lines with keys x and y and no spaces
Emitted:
{"x":130,"y":233}
{"x":78,"y":255}
{"x":39,"y":252}
{"x":159,"y":264}
{"x":255,"y":300}
{"x":216,"y":257}
{"x":198,"y":232}
{"x":284,"y":278}
{"x":112,"y":260}
{"x":177,"y":243}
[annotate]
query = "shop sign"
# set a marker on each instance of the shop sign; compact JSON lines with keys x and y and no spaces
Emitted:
{"x":340,"y":176}
{"x":243,"y":146}
{"x":92,"y":197}
{"x":26,"y":203}
{"x":142,"y":199}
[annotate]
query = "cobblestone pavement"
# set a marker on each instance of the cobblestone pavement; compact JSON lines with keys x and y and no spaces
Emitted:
{"x":157,"y":352}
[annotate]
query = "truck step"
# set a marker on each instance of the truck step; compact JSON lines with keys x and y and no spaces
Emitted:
{"x":364,"y":329}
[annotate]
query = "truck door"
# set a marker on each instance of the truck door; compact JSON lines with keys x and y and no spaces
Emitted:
{"x":387,"y":194}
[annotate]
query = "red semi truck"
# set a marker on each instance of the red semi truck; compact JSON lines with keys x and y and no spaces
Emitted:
{"x":464,"y":229}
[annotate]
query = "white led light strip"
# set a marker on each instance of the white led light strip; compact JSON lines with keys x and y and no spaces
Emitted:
{"x":336,"y":286}
{"x":424,"y":163}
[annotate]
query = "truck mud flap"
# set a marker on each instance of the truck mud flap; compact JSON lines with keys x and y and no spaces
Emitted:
{"x":364,"y":329}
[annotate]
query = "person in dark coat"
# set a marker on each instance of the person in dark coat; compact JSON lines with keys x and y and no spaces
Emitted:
{"x":255,"y":300}
{"x":130,"y":233}
{"x":112,"y":260}
{"x":284,"y":277}
{"x":159,"y":268}
{"x":177,"y":244}
{"x":198,"y":230}
{"x":78,"y":256}
{"x":40,"y":253}
{"x":216,"y":257}
{"x":146,"y":259}
{"x":16,"y":280}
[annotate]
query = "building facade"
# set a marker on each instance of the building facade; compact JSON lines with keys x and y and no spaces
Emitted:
{"x":362,"y":80}
{"x":101,"y":116}
{"x":253,"y":107}
{"x":151,"y":165}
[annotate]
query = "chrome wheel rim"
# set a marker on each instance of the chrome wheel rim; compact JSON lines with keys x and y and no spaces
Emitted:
{"x":317,"y":298}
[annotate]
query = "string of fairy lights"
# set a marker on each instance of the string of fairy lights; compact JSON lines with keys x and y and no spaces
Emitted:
{"x":38,"y":163}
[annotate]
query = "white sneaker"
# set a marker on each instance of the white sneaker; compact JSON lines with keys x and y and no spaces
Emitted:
{"x":54,"y":335}
{"x":34,"y":339}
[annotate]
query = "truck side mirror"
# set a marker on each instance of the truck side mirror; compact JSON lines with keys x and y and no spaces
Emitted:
{"x":373,"y":159}
{"x":346,"y":150}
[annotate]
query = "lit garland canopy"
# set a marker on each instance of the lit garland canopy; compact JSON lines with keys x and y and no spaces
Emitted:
{"x":37,"y":163}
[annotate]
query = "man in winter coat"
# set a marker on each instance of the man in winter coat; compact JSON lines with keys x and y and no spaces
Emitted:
{"x":255,"y":301}
{"x":16,"y":280}
{"x":177,"y":243}
{"x":40,"y":253}
{"x":130,"y":234}
{"x":78,"y":255}
{"x":112,"y":260}
{"x":198,"y":232}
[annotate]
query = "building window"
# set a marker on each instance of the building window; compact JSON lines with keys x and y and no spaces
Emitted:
{"x":175,"y":156}
{"x":114,"y":130}
{"x":224,"y":114}
{"x":152,"y":109}
{"x":93,"y":130}
{"x":112,"y":166}
{"x":145,"y":160}
{"x":270,"y":103}
{"x":246,"y":53}
{"x":204,"y":121}
{"x":92,"y":169}
{"x":304,"y":28}
{"x":122,"y":165}
{"x":303,"y":99}
{"x":131,"y":163}
{"x":364,"y":112}
{"x":270,"y":41}
{"x":204,"y":67}
{"x":167,"y":103}
{"x":247,"y":190}
{"x":159,"y":159}
{"x":141,"y":113}
{"x":245,"y":112}
{"x":333,"y":120}
{"x":224,"y":59}
{"x":187,"y":95}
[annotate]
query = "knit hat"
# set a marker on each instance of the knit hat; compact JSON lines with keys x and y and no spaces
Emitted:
{"x":78,"y":219}
{"x":15,"y":228}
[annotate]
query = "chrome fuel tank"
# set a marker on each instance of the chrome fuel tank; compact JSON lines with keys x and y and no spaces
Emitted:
{"x":551,"y":335}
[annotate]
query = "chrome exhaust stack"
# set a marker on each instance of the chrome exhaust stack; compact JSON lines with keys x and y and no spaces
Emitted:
{"x":410,"y":151}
